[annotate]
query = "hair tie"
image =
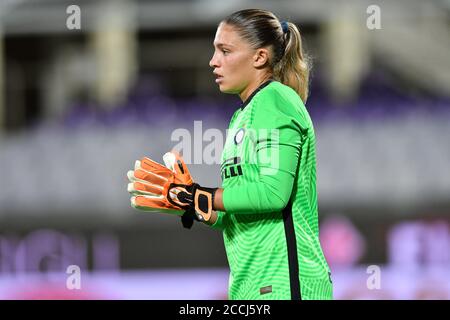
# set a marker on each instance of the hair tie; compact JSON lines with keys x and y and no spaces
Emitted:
{"x":284,"y":26}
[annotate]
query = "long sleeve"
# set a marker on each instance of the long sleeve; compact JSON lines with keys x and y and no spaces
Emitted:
{"x":276,"y":135}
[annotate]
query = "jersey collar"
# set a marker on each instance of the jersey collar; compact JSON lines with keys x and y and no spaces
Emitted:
{"x":247,"y":101}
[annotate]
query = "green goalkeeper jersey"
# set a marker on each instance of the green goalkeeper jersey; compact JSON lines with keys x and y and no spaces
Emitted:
{"x":270,"y":222}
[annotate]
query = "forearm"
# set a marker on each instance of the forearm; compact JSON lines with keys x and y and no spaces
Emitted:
{"x":269,"y":195}
{"x":218,"y":200}
{"x":272,"y":194}
{"x":218,"y":205}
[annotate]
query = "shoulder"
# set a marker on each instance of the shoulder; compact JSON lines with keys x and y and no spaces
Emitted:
{"x":282,"y":94}
{"x":278,"y":100}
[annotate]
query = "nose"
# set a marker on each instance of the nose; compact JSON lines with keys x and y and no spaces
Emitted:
{"x":213,"y":63}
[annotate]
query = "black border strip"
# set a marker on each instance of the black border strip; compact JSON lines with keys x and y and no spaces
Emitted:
{"x":294,"y":274}
{"x":246,"y":102}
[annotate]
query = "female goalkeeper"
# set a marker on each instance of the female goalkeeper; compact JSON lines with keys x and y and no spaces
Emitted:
{"x":267,"y":206}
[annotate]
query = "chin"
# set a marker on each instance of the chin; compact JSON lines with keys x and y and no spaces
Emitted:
{"x":225,"y":89}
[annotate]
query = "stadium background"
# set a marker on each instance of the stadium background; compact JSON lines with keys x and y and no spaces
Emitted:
{"x":78,"y":106}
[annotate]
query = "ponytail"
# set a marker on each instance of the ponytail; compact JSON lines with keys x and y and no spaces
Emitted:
{"x":294,"y":66}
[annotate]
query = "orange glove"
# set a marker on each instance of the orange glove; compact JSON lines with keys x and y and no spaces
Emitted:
{"x":169,"y":189}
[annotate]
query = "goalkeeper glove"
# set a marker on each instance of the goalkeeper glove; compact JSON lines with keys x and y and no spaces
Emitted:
{"x":169,"y":189}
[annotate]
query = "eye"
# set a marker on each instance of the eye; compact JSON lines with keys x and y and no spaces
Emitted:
{"x":225,"y":52}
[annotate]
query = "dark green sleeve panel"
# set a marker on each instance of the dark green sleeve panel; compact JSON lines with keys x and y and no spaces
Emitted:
{"x":276,"y":157}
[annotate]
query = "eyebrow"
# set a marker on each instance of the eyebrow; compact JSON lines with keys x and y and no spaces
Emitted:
{"x":219,"y":44}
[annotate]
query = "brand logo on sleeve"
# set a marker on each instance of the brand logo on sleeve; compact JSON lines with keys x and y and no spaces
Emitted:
{"x":231,"y":168}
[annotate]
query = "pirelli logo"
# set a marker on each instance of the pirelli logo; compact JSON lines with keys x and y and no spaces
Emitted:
{"x":231,"y":171}
{"x":231,"y":168}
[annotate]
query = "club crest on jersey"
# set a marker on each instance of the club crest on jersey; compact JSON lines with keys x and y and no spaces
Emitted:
{"x":239,"y":136}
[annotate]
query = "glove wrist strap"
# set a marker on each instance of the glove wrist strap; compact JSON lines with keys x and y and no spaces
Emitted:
{"x":203,"y":202}
{"x":201,"y":205}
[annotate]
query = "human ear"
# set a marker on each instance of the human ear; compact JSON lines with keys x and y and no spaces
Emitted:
{"x":261,"y":57}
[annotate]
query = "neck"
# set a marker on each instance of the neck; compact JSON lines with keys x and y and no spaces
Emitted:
{"x":253,"y":86}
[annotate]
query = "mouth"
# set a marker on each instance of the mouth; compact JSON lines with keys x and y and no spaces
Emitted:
{"x":219,"y":77}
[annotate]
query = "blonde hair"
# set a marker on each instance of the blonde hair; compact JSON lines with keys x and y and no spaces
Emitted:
{"x":289,"y":64}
